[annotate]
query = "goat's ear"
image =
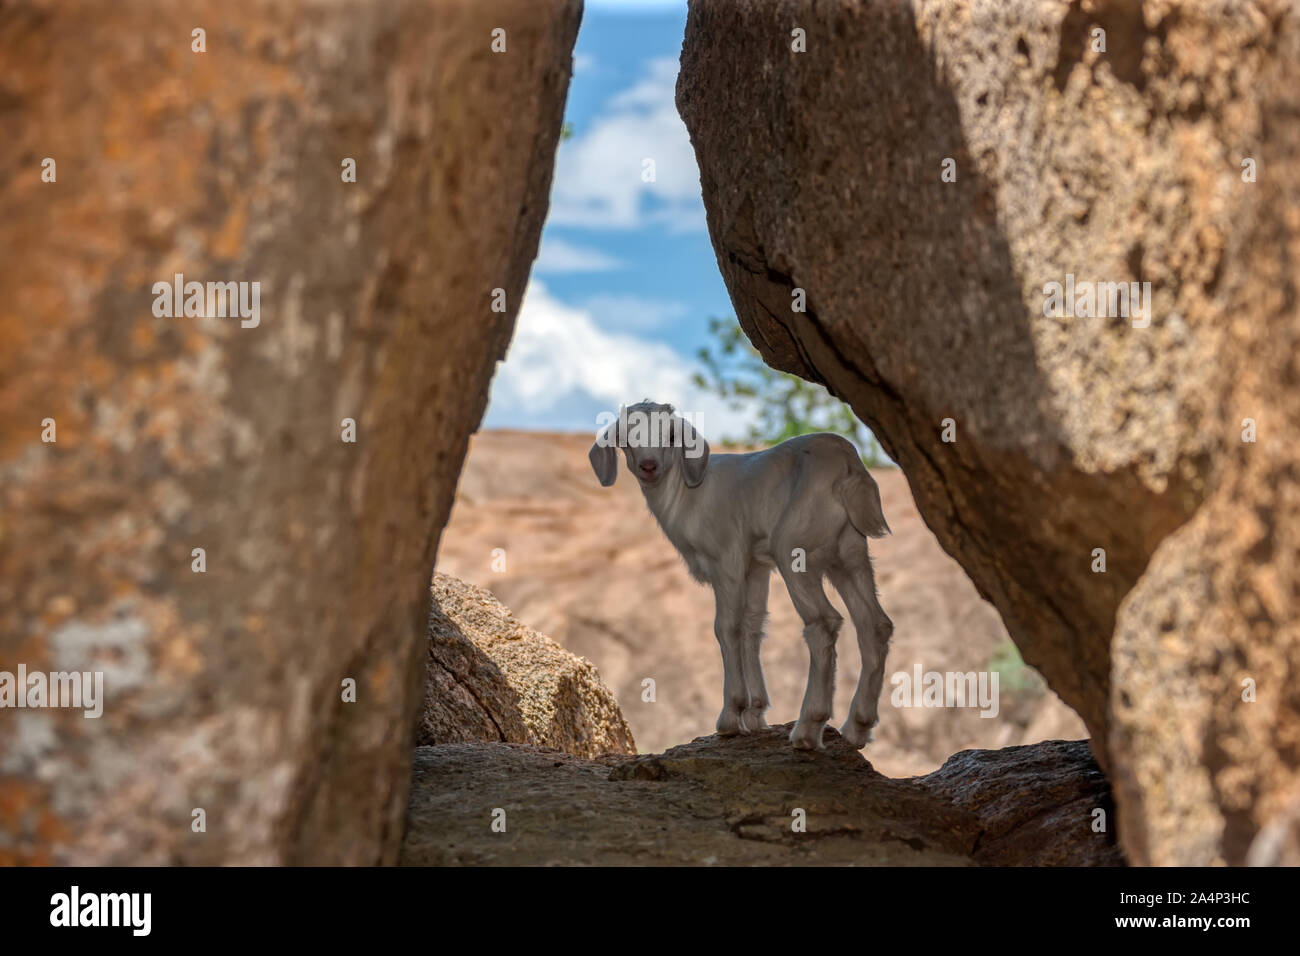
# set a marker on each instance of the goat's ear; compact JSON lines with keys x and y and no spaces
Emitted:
{"x":693,"y":467}
{"x":604,"y":458}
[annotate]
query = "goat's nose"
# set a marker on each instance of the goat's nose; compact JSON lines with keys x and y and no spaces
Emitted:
{"x":649,"y":467}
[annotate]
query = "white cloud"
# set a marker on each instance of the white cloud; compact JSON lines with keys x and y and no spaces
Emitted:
{"x":598,"y":173}
{"x":562,"y":370}
{"x":630,"y":313}
{"x":559,"y":256}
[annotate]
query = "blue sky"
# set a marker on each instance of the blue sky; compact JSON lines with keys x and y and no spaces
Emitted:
{"x":626,"y":278}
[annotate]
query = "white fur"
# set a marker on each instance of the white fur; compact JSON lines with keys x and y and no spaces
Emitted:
{"x":735,"y":519}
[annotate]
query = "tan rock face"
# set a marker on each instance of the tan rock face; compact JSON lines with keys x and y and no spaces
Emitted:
{"x":493,"y":679}
{"x":224,"y":689}
{"x":823,"y":171}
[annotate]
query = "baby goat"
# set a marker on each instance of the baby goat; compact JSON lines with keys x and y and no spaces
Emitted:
{"x":804,"y":508}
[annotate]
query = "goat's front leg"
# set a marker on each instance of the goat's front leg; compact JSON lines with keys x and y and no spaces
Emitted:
{"x":751,"y":642}
{"x":729,"y":595}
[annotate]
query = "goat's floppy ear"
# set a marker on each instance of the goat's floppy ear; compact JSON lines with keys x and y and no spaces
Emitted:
{"x":693,"y":467}
{"x":604,"y":456}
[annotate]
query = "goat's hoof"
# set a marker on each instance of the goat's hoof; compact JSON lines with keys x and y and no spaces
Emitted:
{"x":752,"y":721}
{"x":729,"y":724}
{"x":857,"y":734}
{"x":807,"y":737}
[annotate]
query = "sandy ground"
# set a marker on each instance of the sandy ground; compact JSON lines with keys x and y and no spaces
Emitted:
{"x":589,"y":567}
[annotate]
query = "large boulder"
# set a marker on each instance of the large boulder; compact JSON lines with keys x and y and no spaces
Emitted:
{"x":491,"y":678}
{"x":1113,"y":141}
{"x":277,"y":690}
{"x":1044,"y":804}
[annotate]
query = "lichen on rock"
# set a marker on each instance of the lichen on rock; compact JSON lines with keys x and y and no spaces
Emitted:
{"x":492,"y":678}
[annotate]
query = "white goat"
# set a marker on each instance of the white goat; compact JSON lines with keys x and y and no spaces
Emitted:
{"x":804,"y":508}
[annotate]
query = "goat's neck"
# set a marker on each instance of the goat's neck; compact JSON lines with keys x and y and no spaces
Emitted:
{"x":671,"y":502}
{"x":666,"y":499}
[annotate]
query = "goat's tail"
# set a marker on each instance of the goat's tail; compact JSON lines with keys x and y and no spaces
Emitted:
{"x":860,"y":496}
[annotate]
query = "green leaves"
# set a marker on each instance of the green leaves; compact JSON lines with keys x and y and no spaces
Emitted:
{"x":786,"y":404}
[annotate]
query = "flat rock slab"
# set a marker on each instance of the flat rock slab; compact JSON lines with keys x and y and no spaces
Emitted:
{"x":735,"y":801}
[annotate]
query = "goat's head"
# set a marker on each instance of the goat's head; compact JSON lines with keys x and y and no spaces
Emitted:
{"x":655,"y":441}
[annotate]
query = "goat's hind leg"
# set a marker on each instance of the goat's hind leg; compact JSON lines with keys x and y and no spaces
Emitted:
{"x":856,"y":584}
{"x":821,"y":628}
